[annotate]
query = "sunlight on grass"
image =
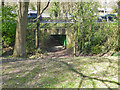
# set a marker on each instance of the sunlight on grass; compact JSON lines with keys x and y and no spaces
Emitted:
{"x":61,"y":73}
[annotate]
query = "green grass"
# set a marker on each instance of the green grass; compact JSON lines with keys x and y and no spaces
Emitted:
{"x":61,"y":73}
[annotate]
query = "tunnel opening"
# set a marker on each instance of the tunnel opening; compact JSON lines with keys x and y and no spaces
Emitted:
{"x":57,"y":42}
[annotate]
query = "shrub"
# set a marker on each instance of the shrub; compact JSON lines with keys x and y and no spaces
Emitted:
{"x":8,"y":25}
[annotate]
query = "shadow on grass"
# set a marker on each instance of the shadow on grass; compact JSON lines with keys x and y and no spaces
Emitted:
{"x":70,"y":67}
{"x":89,"y":77}
{"x":18,"y":80}
{"x":8,"y":60}
{"x":53,"y":68}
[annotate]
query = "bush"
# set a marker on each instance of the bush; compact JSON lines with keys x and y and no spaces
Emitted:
{"x":96,"y":49}
{"x":30,"y":39}
{"x":8,"y":25}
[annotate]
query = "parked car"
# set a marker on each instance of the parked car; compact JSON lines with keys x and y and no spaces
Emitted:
{"x":110,"y":17}
{"x":32,"y":16}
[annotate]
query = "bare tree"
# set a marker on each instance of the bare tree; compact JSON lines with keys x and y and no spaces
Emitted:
{"x":42,"y":11}
{"x":38,"y":24}
{"x":39,"y":13}
{"x":19,"y":49}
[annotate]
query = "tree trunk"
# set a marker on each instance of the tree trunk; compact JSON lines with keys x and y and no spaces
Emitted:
{"x":74,"y":43}
{"x":19,"y":49}
{"x":38,"y":24}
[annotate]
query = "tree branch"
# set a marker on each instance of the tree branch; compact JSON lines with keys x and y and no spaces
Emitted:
{"x":42,"y":11}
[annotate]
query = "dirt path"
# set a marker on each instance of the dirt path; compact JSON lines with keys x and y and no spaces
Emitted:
{"x":59,"y":54}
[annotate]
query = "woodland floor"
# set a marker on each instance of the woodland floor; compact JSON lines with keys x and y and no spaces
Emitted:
{"x":60,"y":70}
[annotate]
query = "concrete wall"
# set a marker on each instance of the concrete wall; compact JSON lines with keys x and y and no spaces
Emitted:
{"x":69,"y":38}
{"x":67,"y":32}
